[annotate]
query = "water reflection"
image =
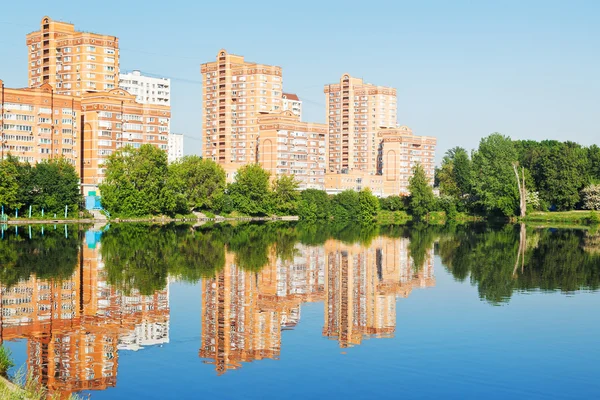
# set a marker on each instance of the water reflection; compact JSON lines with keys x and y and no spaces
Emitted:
{"x":500,"y":261}
{"x":80,"y":296}
{"x":74,"y":324}
{"x":245,"y":312}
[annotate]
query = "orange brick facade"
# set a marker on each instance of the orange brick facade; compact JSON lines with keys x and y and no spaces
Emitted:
{"x":112,"y":120}
{"x":39,"y":124}
{"x":290,"y":147}
{"x":72,"y":62}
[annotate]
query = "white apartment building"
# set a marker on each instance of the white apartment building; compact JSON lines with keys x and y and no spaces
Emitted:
{"x":293,"y":103}
{"x":175,"y":147}
{"x":148,"y":90}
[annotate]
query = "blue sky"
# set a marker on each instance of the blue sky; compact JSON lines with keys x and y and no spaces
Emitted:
{"x":463,"y":69}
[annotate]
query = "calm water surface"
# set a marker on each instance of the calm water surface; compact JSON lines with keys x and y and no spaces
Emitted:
{"x":293,"y":311}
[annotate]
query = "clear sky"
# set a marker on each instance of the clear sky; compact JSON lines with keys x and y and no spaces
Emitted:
{"x":463,"y":69}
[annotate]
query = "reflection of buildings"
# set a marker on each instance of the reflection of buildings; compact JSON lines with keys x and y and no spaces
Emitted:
{"x":75,"y":327}
{"x":244,"y":313}
{"x":362,"y":286}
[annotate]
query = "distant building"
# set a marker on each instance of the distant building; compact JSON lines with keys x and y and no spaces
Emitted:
{"x":72,"y":62}
{"x":293,"y":103}
{"x":148,"y":90}
{"x":175,"y":147}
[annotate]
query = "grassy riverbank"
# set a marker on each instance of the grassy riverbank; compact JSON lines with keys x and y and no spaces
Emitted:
{"x":567,"y":217}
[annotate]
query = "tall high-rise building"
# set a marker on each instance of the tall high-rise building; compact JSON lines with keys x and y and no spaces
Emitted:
{"x":175,"y":147}
{"x":72,"y":62}
{"x":290,"y":147}
{"x":112,"y":120}
{"x":293,"y":103}
{"x":39,"y":124}
{"x":146,"y":89}
{"x":234,"y":93}
{"x":355,"y":112}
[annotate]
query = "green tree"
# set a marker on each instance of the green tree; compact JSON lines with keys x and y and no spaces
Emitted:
{"x":9,"y":185}
{"x":494,"y":181}
{"x":314,"y":204}
{"x":135,"y":183}
{"x":250,"y":192}
{"x":369,"y":205}
{"x":392,"y":203}
{"x":54,"y":184}
{"x":345,"y":205}
{"x":200,"y":183}
{"x":286,"y":194}
{"x":594,"y":161}
{"x":422,"y":200}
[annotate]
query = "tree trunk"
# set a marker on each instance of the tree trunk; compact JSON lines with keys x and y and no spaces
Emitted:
{"x":522,"y":191}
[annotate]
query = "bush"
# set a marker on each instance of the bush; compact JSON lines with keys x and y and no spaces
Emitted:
{"x":393,"y":203}
{"x":6,"y":361}
{"x":591,"y":197}
{"x":385,"y":217}
{"x":594,"y":218}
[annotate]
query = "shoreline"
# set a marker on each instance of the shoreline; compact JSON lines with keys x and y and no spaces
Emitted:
{"x":155,"y":219}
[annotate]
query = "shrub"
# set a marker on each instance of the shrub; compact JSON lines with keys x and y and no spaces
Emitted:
{"x":591,"y":197}
{"x":6,"y":361}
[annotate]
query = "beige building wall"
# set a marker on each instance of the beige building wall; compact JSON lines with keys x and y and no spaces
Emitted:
{"x":39,"y":124}
{"x":112,"y":120}
{"x":399,"y":152}
{"x":355,"y":111}
{"x":290,"y":147}
{"x":235,"y":92}
{"x":72,"y":62}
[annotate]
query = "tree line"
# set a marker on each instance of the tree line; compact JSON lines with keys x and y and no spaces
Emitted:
{"x":47,"y":186}
{"x":559,"y":176}
{"x":140,"y":182}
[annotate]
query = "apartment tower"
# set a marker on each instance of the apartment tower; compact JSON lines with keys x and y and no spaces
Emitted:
{"x":355,"y":112}
{"x":72,"y":62}
{"x":234,"y":93}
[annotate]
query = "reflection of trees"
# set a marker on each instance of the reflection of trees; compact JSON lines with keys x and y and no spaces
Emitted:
{"x":51,"y":255}
{"x":500,"y":261}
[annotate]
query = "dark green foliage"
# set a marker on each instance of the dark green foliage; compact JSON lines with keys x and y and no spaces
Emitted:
{"x":314,"y":205}
{"x":393,"y":203}
{"x":198,"y":183}
{"x":494,"y":182}
{"x":554,"y":260}
{"x":345,"y":205}
{"x":50,"y":185}
{"x":47,"y":256}
{"x":559,"y":170}
{"x":422,"y":200}
{"x":286,"y":195}
{"x":368,"y":204}
{"x":250,"y":192}
{"x":135,"y":184}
